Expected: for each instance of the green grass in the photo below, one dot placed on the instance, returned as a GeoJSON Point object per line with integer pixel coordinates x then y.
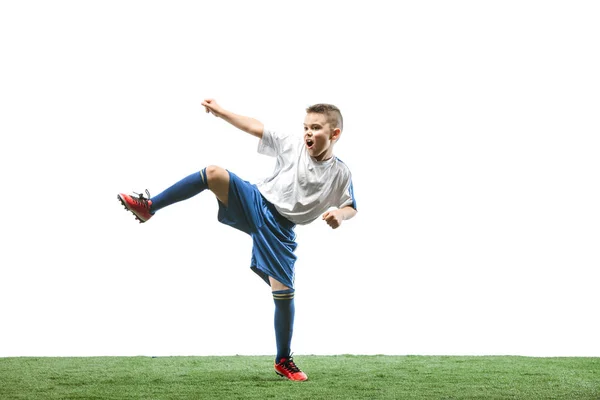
{"type": "Point", "coordinates": [330, 377]}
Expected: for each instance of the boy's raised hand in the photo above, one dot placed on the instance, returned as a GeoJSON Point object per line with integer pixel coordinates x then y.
{"type": "Point", "coordinates": [333, 218]}
{"type": "Point", "coordinates": [212, 107]}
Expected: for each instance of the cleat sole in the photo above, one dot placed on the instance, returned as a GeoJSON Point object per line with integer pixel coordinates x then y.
{"type": "Point", "coordinates": [285, 377]}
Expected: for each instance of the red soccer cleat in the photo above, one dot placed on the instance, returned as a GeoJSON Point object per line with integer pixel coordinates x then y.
{"type": "Point", "coordinates": [139, 206]}
{"type": "Point", "coordinates": [289, 370]}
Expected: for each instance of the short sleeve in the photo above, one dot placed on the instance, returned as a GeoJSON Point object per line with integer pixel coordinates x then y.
{"type": "Point", "coordinates": [267, 145]}
{"type": "Point", "coordinates": [348, 197]}
{"type": "Point", "coordinates": [271, 143]}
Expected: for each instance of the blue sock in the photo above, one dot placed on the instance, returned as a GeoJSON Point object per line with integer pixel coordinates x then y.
{"type": "Point", "coordinates": [284, 322]}
{"type": "Point", "coordinates": [182, 190]}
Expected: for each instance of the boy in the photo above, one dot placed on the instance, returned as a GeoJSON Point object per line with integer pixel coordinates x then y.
{"type": "Point", "coordinates": [307, 181]}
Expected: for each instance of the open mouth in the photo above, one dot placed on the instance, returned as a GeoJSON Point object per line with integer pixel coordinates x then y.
{"type": "Point", "coordinates": [309, 143]}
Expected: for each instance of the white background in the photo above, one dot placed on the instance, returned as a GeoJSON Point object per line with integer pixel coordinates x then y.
{"type": "Point", "coordinates": [471, 128]}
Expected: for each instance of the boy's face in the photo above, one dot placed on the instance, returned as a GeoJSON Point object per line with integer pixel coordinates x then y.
{"type": "Point", "coordinates": [319, 136]}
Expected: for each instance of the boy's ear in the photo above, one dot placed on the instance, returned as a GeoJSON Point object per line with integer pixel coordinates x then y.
{"type": "Point", "coordinates": [337, 132]}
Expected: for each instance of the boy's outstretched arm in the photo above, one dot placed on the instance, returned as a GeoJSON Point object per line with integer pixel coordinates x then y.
{"type": "Point", "coordinates": [334, 218]}
{"type": "Point", "coordinates": [247, 124]}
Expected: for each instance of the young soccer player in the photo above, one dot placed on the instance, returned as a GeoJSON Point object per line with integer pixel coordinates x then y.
{"type": "Point", "coordinates": [308, 182]}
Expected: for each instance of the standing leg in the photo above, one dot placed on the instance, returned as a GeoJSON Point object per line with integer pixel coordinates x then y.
{"type": "Point", "coordinates": [284, 317]}
{"type": "Point", "coordinates": [284, 328]}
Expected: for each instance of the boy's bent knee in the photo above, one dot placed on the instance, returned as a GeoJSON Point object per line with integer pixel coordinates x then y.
{"type": "Point", "coordinates": [216, 174]}
{"type": "Point", "coordinates": [218, 182]}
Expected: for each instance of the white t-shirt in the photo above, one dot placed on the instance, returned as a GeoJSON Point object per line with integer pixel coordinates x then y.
{"type": "Point", "coordinates": [301, 188]}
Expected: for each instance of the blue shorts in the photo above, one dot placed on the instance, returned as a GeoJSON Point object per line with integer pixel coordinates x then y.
{"type": "Point", "coordinates": [273, 236]}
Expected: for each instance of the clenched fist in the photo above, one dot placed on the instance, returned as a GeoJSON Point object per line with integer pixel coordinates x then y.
{"type": "Point", "coordinates": [333, 218]}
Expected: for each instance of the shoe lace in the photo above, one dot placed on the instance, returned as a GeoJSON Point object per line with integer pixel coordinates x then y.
{"type": "Point", "coordinates": [290, 365]}
{"type": "Point", "coordinates": [141, 199]}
